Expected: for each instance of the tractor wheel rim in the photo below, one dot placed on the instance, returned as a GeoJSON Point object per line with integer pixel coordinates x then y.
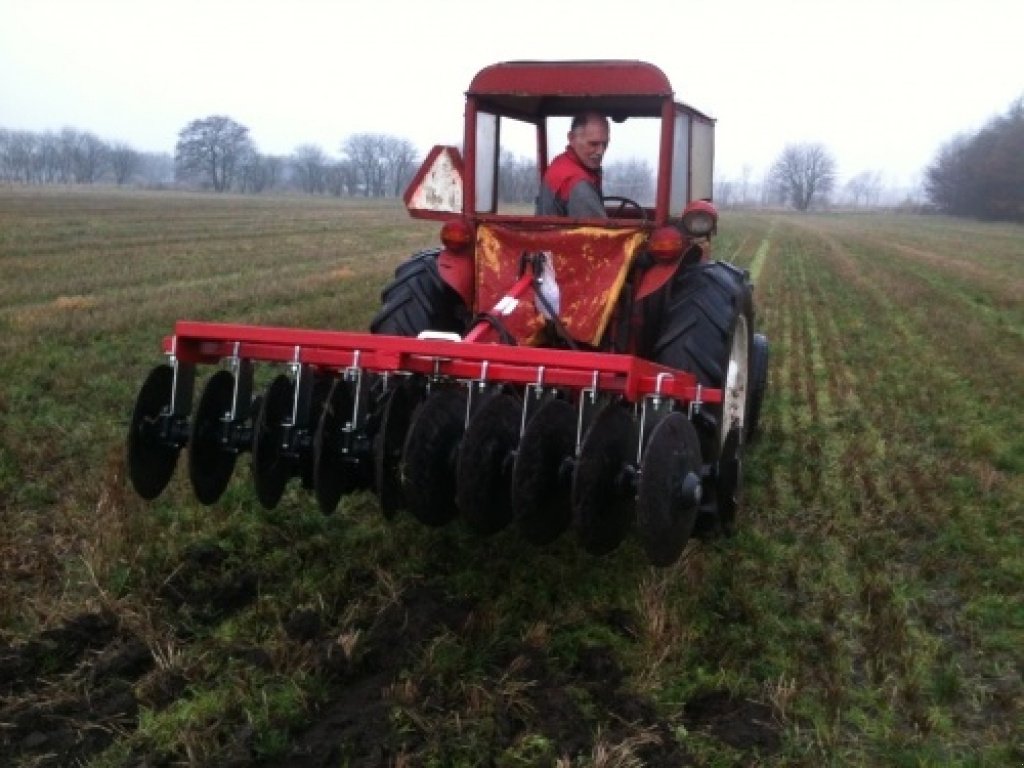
{"type": "Point", "coordinates": [734, 394]}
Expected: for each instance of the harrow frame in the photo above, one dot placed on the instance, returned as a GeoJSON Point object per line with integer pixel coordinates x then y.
{"type": "Point", "coordinates": [631, 377]}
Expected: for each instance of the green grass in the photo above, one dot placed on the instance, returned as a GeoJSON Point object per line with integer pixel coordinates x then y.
{"type": "Point", "coordinates": [867, 613]}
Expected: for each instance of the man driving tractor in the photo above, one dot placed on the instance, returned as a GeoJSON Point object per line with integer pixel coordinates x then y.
{"type": "Point", "coordinates": [572, 184]}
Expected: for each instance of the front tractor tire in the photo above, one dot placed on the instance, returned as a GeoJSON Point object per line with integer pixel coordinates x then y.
{"type": "Point", "coordinates": [708, 331]}
{"type": "Point", "coordinates": [417, 299]}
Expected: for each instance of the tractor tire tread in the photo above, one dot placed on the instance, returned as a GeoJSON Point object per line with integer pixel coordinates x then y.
{"type": "Point", "coordinates": [417, 299]}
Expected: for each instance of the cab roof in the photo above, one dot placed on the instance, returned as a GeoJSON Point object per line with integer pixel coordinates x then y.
{"type": "Point", "coordinates": [619, 88]}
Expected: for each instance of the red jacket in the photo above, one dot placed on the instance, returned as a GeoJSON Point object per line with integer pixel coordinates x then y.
{"type": "Point", "coordinates": [563, 174]}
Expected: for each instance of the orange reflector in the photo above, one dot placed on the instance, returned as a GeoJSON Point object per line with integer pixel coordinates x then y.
{"type": "Point", "coordinates": [456, 235]}
{"type": "Point", "coordinates": [665, 244]}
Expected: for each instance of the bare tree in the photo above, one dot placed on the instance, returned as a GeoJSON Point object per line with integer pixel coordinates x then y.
{"type": "Point", "coordinates": [309, 166]}
{"type": "Point", "coordinates": [399, 163]}
{"type": "Point", "coordinates": [88, 156]}
{"type": "Point", "coordinates": [156, 168]}
{"type": "Point", "coordinates": [6, 172]}
{"type": "Point", "coordinates": [804, 172]}
{"type": "Point", "coordinates": [124, 161]}
{"type": "Point", "coordinates": [52, 161]}
{"type": "Point", "coordinates": [256, 172]}
{"type": "Point", "coordinates": [212, 149]}
{"type": "Point", "coordinates": [745, 183]}
{"type": "Point", "coordinates": [341, 179]}
{"type": "Point", "coordinates": [273, 166]}
{"type": "Point", "coordinates": [518, 178]}
{"type": "Point", "coordinates": [366, 153]}
{"type": "Point", "coordinates": [723, 190]}
{"type": "Point", "coordinates": [630, 178]}
{"type": "Point", "coordinates": [865, 187]}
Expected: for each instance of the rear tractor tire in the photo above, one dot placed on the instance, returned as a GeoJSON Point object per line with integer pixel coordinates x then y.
{"type": "Point", "coordinates": [418, 300]}
{"type": "Point", "coordinates": [708, 331]}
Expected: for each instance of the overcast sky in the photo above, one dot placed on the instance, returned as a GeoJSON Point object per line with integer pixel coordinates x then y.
{"type": "Point", "coordinates": [881, 83]}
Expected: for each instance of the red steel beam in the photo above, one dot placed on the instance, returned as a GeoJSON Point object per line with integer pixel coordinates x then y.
{"type": "Point", "coordinates": [628, 375]}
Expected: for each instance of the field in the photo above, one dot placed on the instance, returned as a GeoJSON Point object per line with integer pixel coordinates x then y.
{"type": "Point", "coordinates": [868, 612]}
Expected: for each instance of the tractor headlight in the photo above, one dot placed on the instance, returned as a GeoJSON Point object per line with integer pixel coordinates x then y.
{"type": "Point", "coordinates": [700, 218]}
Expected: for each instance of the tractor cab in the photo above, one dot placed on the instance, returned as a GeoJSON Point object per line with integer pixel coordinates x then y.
{"type": "Point", "coordinates": [660, 159]}
{"type": "Point", "coordinates": [657, 185]}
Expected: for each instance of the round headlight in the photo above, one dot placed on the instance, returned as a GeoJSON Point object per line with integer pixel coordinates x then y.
{"type": "Point", "coordinates": [698, 223]}
{"type": "Point", "coordinates": [700, 218]}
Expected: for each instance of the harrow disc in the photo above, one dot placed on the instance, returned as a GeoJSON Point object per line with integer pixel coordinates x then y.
{"type": "Point", "coordinates": [669, 491]}
{"type": "Point", "coordinates": [396, 414]}
{"type": "Point", "coordinates": [210, 460]}
{"type": "Point", "coordinates": [603, 490]}
{"type": "Point", "coordinates": [151, 459]}
{"type": "Point", "coordinates": [485, 463]}
{"type": "Point", "coordinates": [542, 478]}
{"type": "Point", "coordinates": [318, 395]}
{"type": "Point", "coordinates": [429, 456]}
{"type": "Point", "coordinates": [332, 476]}
{"type": "Point", "coordinates": [272, 467]}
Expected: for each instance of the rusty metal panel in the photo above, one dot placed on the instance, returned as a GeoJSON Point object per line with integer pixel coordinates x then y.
{"type": "Point", "coordinates": [590, 264]}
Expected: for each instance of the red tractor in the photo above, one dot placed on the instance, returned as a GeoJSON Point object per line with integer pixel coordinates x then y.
{"type": "Point", "coordinates": [597, 374]}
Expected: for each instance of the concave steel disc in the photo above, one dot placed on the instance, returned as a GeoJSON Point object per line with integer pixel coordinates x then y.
{"type": "Point", "coordinates": [396, 414]}
{"type": "Point", "coordinates": [151, 461]}
{"type": "Point", "coordinates": [542, 479]}
{"type": "Point", "coordinates": [333, 477]}
{"type": "Point", "coordinates": [603, 493]}
{"type": "Point", "coordinates": [318, 395]}
{"type": "Point", "coordinates": [271, 466]}
{"type": "Point", "coordinates": [728, 479]}
{"type": "Point", "coordinates": [668, 495]}
{"type": "Point", "coordinates": [210, 461]}
{"type": "Point", "coordinates": [429, 456]}
{"type": "Point", "coordinates": [486, 459]}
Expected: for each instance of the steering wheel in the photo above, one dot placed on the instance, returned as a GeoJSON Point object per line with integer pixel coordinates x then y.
{"type": "Point", "coordinates": [624, 203]}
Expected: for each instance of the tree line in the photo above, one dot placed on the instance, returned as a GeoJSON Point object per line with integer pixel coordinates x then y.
{"type": "Point", "coordinates": [72, 156]}
{"type": "Point", "coordinates": [980, 174]}
{"type": "Point", "coordinates": [213, 153]}
{"type": "Point", "coordinates": [217, 152]}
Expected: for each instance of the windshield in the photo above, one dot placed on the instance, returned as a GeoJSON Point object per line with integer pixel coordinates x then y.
{"type": "Point", "coordinates": [508, 175]}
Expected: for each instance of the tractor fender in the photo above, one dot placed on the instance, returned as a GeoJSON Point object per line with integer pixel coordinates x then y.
{"type": "Point", "coordinates": [657, 274]}
{"type": "Point", "coordinates": [459, 273]}
{"type": "Point", "coordinates": [654, 277]}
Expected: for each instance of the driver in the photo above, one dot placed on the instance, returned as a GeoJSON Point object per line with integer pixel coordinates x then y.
{"type": "Point", "coordinates": [572, 182]}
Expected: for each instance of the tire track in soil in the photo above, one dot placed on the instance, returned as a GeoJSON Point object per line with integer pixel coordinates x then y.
{"type": "Point", "coordinates": [908, 488]}
{"type": "Point", "coordinates": [860, 451]}
{"type": "Point", "coordinates": [814, 500]}
{"type": "Point", "coordinates": [861, 627]}
{"type": "Point", "coordinates": [785, 484]}
{"type": "Point", "coordinates": [803, 406]}
{"type": "Point", "coordinates": [761, 254]}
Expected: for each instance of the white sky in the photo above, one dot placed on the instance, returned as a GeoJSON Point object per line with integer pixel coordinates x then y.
{"type": "Point", "coordinates": [881, 83]}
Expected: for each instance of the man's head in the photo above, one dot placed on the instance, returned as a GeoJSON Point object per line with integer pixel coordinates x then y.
{"type": "Point", "coordinates": [588, 138]}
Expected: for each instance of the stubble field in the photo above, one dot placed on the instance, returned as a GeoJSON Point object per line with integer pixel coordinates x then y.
{"type": "Point", "coordinates": [868, 612]}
